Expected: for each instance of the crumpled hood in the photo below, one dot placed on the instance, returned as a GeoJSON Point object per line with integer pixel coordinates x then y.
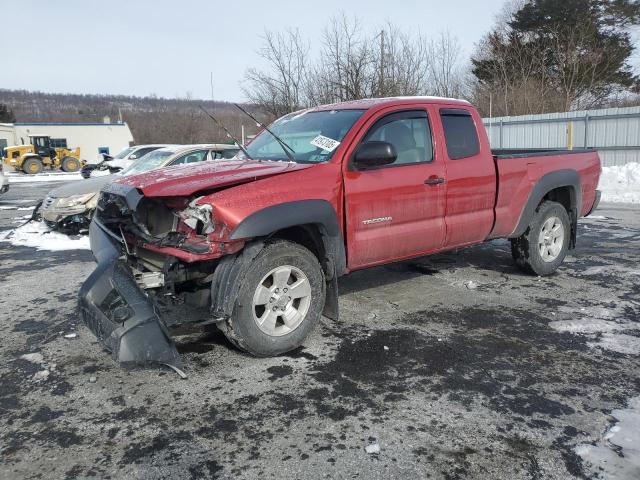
{"type": "Point", "coordinates": [184, 180]}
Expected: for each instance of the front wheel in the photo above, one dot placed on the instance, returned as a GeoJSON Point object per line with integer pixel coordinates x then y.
{"type": "Point", "coordinates": [543, 246]}
{"type": "Point", "coordinates": [32, 166]}
{"type": "Point", "coordinates": [70, 164]}
{"type": "Point", "coordinates": [280, 300]}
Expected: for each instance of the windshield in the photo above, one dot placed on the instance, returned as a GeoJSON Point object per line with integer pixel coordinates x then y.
{"type": "Point", "coordinates": [124, 153]}
{"type": "Point", "coordinates": [313, 136]}
{"type": "Point", "coordinates": [147, 162]}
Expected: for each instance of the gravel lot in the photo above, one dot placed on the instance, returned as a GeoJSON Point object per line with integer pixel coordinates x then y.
{"type": "Point", "coordinates": [455, 365]}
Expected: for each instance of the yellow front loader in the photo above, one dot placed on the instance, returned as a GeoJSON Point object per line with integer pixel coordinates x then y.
{"type": "Point", "coordinates": [33, 158]}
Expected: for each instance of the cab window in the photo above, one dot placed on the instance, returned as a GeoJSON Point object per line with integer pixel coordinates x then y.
{"type": "Point", "coordinates": [408, 132]}
{"type": "Point", "coordinates": [460, 133]}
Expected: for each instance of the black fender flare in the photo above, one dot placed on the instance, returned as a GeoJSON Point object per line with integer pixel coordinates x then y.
{"type": "Point", "coordinates": [321, 213]}
{"type": "Point", "coordinates": [551, 181]}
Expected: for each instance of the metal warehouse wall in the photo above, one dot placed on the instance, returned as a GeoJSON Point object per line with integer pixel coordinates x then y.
{"type": "Point", "coordinates": [615, 132]}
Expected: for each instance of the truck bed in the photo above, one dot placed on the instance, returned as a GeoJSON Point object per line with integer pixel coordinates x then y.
{"type": "Point", "coordinates": [534, 152]}
{"type": "Point", "coordinates": [519, 171]}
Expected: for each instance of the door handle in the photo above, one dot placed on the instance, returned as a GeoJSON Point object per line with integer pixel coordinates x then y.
{"type": "Point", "coordinates": [434, 181]}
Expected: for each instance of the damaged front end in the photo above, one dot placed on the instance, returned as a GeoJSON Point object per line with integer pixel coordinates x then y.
{"type": "Point", "coordinates": [155, 262]}
{"type": "Point", "coordinates": [70, 215]}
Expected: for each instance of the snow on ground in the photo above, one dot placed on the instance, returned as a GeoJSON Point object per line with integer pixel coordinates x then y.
{"type": "Point", "coordinates": [16, 177]}
{"type": "Point", "coordinates": [620, 184]}
{"type": "Point", "coordinates": [38, 235]}
{"type": "Point", "coordinates": [617, 453]}
{"type": "Point", "coordinates": [605, 328]}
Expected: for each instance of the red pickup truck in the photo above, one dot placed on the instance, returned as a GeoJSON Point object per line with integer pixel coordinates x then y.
{"type": "Point", "coordinates": [255, 244]}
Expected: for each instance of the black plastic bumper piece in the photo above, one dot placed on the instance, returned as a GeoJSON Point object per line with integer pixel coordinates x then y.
{"type": "Point", "coordinates": [119, 314]}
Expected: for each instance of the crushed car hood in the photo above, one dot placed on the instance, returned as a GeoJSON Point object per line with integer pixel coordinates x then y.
{"type": "Point", "coordinates": [184, 180]}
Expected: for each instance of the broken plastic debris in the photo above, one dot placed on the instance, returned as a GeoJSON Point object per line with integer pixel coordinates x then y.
{"type": "Point", "coordinates": [41, 375]}
{"type": "Point", "coordinates": [372, 449]}
{"type": "Point", "coordinates": [93, 379]}
{"type": "Point", "coordinates": [471, 285]}
{"type": "Point", "coordinates": [180, 373]}
{"type": "Point", "coordinates": [385, 347]}
{"type": "Point", "coordinates": [71, 335]}
{"type": "Point", "coordinates": [32, 357]}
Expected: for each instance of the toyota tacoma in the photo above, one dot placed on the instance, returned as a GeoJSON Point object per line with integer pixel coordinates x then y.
{"type": "Point", "coordinates": [255, 245]}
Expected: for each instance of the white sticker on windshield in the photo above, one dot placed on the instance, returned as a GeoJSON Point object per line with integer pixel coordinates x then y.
{"type": "Point", "coordinates": [325, 143]}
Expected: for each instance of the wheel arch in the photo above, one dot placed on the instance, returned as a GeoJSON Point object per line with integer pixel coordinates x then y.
{"type": "Point", "coordinates": [312, 223]}
{"type": "Point", "coordinates": [562, 186]}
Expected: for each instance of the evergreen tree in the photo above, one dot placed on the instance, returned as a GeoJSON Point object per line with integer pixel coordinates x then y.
{"type": "Point", "coordinates": [574, 53]}
{"type": "Point", "coordinates": [6, 115]}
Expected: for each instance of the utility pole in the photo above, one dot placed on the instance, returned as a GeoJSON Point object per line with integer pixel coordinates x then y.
{"type": "Point", "coordinates": [211, 82]}
{"type": "Point", "coordinates": [381, 86]}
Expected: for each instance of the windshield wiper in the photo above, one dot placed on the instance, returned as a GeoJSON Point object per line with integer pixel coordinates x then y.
{"type": "Point", "coordinates": [240, 145]}
{"type": "Point", "coordinates": [287, 149]}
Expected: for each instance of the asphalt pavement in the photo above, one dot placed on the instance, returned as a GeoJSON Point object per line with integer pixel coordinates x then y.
{"type": "Point", "coordinates": [451, 366]}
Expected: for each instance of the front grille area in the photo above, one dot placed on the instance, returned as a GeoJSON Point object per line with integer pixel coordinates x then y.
{"type": "Point", "coordinates": [112, 206]}
{"type": "Point", "coordinates": [112, 211]}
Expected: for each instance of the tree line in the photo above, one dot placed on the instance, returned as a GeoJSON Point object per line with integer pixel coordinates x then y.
{"type": "Point", "coordinates": [151, 119]}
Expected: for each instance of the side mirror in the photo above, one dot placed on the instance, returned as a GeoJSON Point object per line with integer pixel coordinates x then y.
{"type": "Point", "coordinates": [374, 154]}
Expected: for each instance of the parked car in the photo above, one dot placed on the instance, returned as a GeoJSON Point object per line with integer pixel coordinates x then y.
{"type": "Point", "coordinates": [4, 181]}
{"type": "Point", "coordinates": [70, 207]}
{"type": "Point", "coordinates": [255, 244]}
{"type": "Point", "coordinates": [120, 161]}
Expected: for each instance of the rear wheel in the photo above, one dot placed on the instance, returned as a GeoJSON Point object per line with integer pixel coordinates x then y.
{"type": "Point", "coordinates": [32, 165]}
{"type": "Point", "coordinates": [280, 300]}
{"type": "Point", "coordinates": [543, 246]}
{"type": "Point", "coordinates": [70, 164]}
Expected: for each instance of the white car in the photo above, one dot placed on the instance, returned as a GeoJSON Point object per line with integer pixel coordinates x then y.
{"type": "Point", "coordinates": [122, 160]}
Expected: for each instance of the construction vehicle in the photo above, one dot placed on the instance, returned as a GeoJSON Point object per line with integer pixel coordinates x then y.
{"type": "Point", "coordinates": [42, 152]}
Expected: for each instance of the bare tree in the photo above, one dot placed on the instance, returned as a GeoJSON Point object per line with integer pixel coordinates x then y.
{"type": "Point", "coordinates": [352, 64]}
{"type": "Point", "coordinates": [404, 63]}
{"type": "Point", "coordinates": [280, 89]}
{"type": "Point", "coordinates": [446, 76]}
{"type": "Point", "coordinates": [344, 69]}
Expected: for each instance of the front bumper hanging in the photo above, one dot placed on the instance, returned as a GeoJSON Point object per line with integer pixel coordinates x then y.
{"type": "Point", "coordinates": [119, 313]}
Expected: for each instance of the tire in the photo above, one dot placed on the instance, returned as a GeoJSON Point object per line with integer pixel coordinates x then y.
{"type": "Point", "coordinates": [70, 164]}
{"type": "Point", "coordinates": [542, 247]}
{"type": "Point", "coordinates": [281, 330]}
{"type": "Point", "coordinates": [32, 166]}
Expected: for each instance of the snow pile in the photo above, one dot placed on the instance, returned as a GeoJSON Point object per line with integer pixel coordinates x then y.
{"type": "Point", "coordinates": [620, 184]}
{"type": "Point", "coordinates": [617, 454]}
{"type": "Point", "coordinates": [603, 328]}
{"type": "Point", "coordinates": [38, 235]}
{"type": "Point", "coordinates": [43, 177]}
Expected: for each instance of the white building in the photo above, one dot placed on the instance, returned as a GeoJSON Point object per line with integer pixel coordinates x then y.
{"type": "Point", "coordinates": [92, 138]}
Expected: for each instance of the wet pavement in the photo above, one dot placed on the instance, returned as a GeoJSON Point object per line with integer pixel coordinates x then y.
{"type": "Point", "coordinates": [455, 366]}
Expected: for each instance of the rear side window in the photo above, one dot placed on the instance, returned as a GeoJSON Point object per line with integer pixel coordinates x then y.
{"type": "Point", "coordinates": [460, 133]}
{"type": "Point", "coordinates": [143, 151]}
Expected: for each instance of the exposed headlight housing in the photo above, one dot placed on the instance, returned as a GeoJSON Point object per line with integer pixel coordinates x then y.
{"type": "Point", "coordinates": [198, 217]}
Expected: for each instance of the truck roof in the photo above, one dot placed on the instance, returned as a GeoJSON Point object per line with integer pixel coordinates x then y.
{"type": "Point", "coordinates": [367, 103]}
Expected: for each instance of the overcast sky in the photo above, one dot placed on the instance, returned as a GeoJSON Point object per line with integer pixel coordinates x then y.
{"type": "Point", "coordinates": [168, 47]}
